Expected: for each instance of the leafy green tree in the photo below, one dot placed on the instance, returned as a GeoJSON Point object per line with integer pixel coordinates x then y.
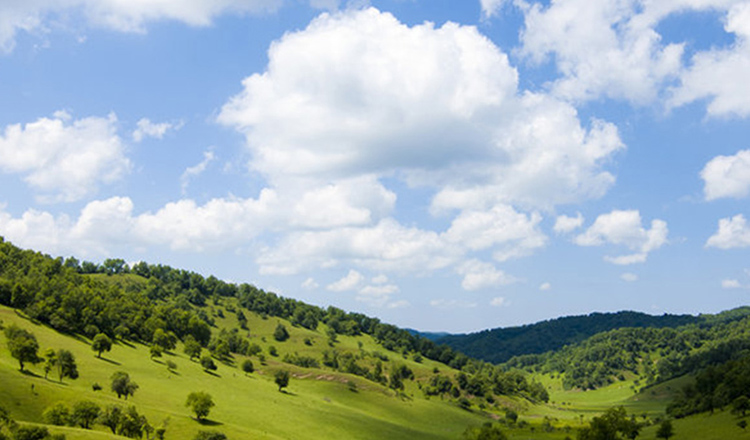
{"type": "Point", "coordinates": [111, 417]}
{"type": "Point", "coordinates": [23, 345]}
{"type": "Point", "coordinates": [200, 403]}
{"type": "Point", "coordinates": [57, 414]}
{"type": "Point", "coordinates": [84, 413]}
{"type": "Point", "coordinates": [210, 435]}
{"type": "Point", "coordinates": [207, 362]}
{"type": "Point", "coordinates": [155, 351]}
{"type": "Point", "coordinates": [740, 405]}
{"type": "Point", "coordinates": [488, 431]}
{"type": "Point", "coordinates": [66, 365]}
{"type": "Point", "coordinates": [665, 430]}
{"type": "Point", "coordinates": [281, 334]}
{"type": "Point", "coordinates": [247, 366]}
{"type": "Point", "coordinates": [742, 424]}
{"type": "Point", "coordinates": [192, 348]}
{"type": "Point", "coordinates": [164, 340]}
{"type": "Point", "coordinates": [122, 385]}
{"type": "Point", "coordinates": [610, 425]}
{"type": "Point", "coordinates": [132, 424]}
{"type": "Point", "coordinates": [100, 344]}
{"type": "Point", "coordinates": [171, 365]}
{"type": "Point", "coordinates": [282, 379]}
{"type": "Point", "coordinates": [50, 360]}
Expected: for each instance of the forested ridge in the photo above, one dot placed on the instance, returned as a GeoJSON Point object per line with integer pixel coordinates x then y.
{"type": "Point", "coordinates": [654, 354]}
{"type": "Point", "coordinates": [158, 305]}
{"type": "Point", "coordinates": [501, 344]}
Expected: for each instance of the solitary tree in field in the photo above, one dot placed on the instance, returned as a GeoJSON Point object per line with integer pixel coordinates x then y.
{"type": "Point", "coordinates": [741, 405]}
{"type": "Point", "coordinates": [281, 334]}
{"type": "Point", "coordinates": [101, 343]}
{"type": "Point", "coordinates": [247, 366]}
{"type": "Point", "coordinates": [207, 363]}
{"type": "Point", "coordinates": [22, 345]}
{"type": "Point", "coordinates": [665, 430]}
{"type": "Point", "coordinates": [201, 403]}
{"type": "Point", "coordinates": [282, 379]}
{"type": "Point", "coordinates": [122, 385]}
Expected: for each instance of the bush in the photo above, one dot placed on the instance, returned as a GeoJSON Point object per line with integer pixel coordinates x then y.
{"type": "Point", "coordinates": [210, 435]}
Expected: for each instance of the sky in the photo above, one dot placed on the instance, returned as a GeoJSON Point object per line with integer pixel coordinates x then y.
{"type": "Point", "coordinates": [444, 165]}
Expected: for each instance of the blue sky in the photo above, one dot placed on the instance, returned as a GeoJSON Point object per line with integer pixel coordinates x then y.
{"type": "Point", "coordinates": [443, 165]}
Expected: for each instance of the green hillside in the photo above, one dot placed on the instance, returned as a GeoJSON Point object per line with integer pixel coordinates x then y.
{"type": "Point", "coordinates": [175, 333]}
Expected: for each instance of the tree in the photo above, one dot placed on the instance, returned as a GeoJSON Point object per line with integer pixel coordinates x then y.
{"type": "Point", "coordinates": [282, 379]}
{"type": "Point", "coordinates": [132, 424]}
{"type": "Point", "coordinates": [22, 345]}
{"type": "Point", "coordinates": [111, 417]}
{"type": "Point", "coordinates": [200, 403]}
{"type": "Point", "coordinates": [58, 414]}
{"type": "Point", "coordinates": [207, 362]}
{"type": "Point", "coordinates": [122, 385]}
{"type": "Point", "coordinates": [281, 334]}
{"type": "Point", "coordinates": [100, 344]}
{"type": "Point", "coordinates": [66, 365]}
{"type": "Point", "coordinates": [166, 341]}
{"type": "Point", "coordinates": [192, 347]}
{"type": "Point", "coordinates": [84, 413]}
{"type": "Point", "coordinates": [247, 366]}
{"type": "Point", "coordinates": [488, 431]}
{"type": "Point", "coordinates": [740, 405]}
{"type": "Point", "coordinates": [50, 360]}
{"type": "Point", "coordinates": [665, 430]}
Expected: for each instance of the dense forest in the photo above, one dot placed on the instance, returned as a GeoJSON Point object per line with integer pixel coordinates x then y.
{"type": "Point", "coordinates": [501, 344]}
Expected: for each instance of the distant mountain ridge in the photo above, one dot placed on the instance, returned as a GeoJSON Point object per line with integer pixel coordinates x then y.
{"type": "Point", "coordinates": [501, 344]}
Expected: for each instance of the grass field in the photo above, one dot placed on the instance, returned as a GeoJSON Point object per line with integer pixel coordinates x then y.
{"type": "Point", "coordinates": [319, 403]}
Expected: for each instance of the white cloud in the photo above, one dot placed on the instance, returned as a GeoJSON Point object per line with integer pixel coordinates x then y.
{"type": "Point", "coordinates": [733, 233]}
{"type": "Point", "coordinates": [731, 284]}
{"type": "Point", "coordinates": [607, 48]}
{"type": "Point", "coordinates": [196, 170]}
{"type": "Point", "coordinates": [310, 284]}
{"type": "Point", "coordinates": [480, 275]}
{"type": "Point", "coordinates": [146, 128]}
{"type": "Point", "coordinates": [624, 228]}
{"type": "Point", "coordinates": [510, 233]}
{"type": "Point", "coordinates": [126, 16]}
{"type": "Point", "coordinates": [360, 93]}
{"type": "Point", "coordinates": [378, 296]}
{"type": "Point", "coordinates": [64, 159]}
{"type": "Point", "coordinates": [727, 176]}
{"type": "Point", "coordinates": [351, 281]}
{"type": "Point", "coordinates": [498, 302]}
{"type": "Point", "coordinates": [545, 286]}
{"type": "Point", "coordinates": [629, 277]}
{"type": "Point", "coordinates": [491, 7]}
{"type": "Point", "coordinates": [720, 74]}
{"type": "Point", "coordinates": [565, 224]}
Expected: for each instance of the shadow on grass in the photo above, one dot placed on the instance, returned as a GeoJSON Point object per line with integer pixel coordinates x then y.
{"type": "Point", "coordinates": [29, 373]}
{"type": "Point", "coordinates": [288, 393]}
{"type": "Point", "coordinates": [125, 343]}
{"type": "Point", "coordinates": [207, 422]}
{"type": "Point", "coordinates": [212, 373]}
{"type": "Point", "coordinates": [176, 373]}
{"type": "Point", "coordinates": [109, 361]}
